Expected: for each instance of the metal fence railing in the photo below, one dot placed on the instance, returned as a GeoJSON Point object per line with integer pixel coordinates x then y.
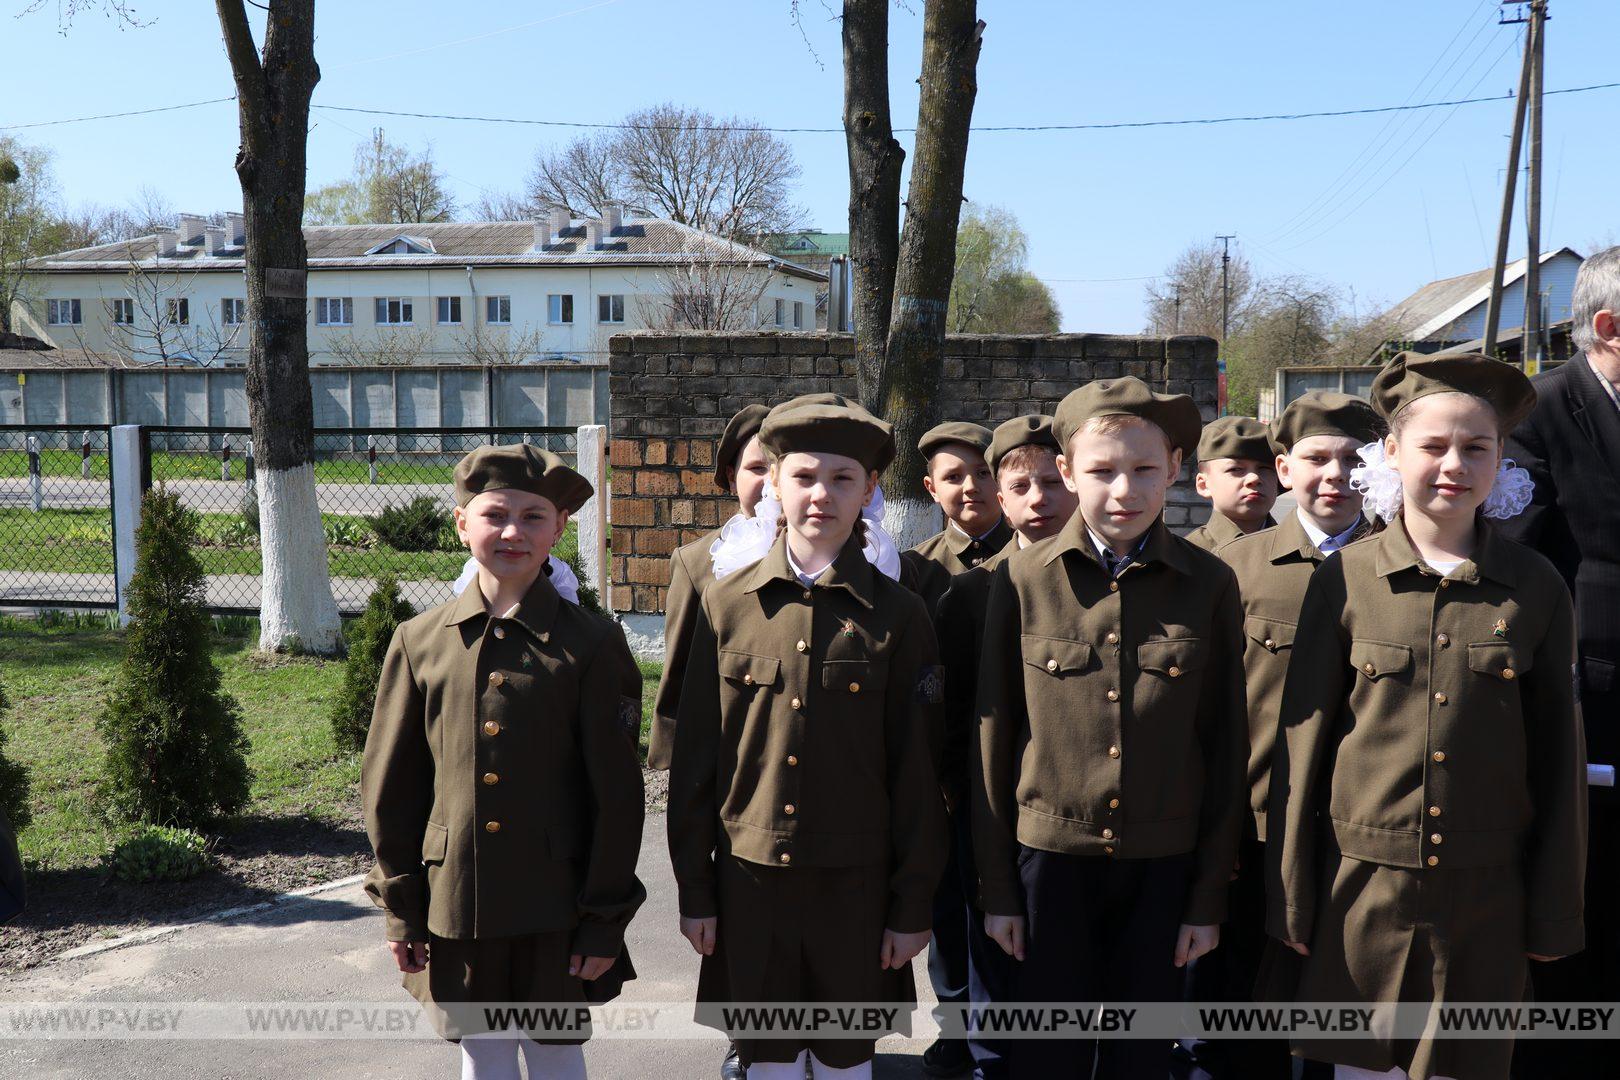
{"type": "Point", "coordinates": [384, 495]}
{"type": "Point", "coordinates": [56, 517]}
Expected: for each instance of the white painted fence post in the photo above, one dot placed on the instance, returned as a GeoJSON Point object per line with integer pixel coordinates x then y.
{"type": "Point", "coordinates": [125, 453]}
{"type": "Point", "coordinates": [591, 462]}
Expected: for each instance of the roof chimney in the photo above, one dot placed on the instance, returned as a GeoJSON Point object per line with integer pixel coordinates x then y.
{"type": "Point", "coordinates": [593, 235]}
{"type": "Point", "coordinates": [559, 221]}
{"type": "Point", "coordinates": [191, 228]}
{"type": "Point", "coordinates": [215, 235]}
{"type": "Point", "coordinates": [612, 218]}
{"type": "Point", "coordinates": [165, 243]}
{"type": "Point", "coordinates": [542, 234]}
{"type": "Point", "coordinates": [235, 231]}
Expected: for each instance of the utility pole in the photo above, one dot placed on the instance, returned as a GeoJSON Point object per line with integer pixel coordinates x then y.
{"type": "Point", "coordinates": [1226, 292]}
{"type": "Point", "coordinates": [1532, 350]}
{"type": "Point", "coordinates": [1527, 91]}
{"type": "Point", "coordinates": [1178, 310]}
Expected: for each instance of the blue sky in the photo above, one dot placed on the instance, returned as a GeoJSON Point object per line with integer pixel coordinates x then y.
{"type": "Point", "coordinates": [1373, 204]}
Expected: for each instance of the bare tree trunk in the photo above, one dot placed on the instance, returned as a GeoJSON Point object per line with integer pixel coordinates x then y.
{"type": "Point", "coordinates": [297, 609]}
{"type": "Point", "coordinates": [914, 361]}
{"type": "Point", "coordinates": [875, 160]}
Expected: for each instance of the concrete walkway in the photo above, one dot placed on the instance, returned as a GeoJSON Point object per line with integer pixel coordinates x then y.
{"type": "Point", "coordinates": [329, 947]}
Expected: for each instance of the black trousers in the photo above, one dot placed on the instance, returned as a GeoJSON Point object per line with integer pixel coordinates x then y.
{"type": "Point", "coordinates": [1099, 929]}
{"type": "Point", "coordinates": [1592, 975]}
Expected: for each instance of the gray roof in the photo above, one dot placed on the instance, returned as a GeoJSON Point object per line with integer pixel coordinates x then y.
{"type": "Point", "coordinates": [637, 242]}
{"type": "Point", "coordinates": [1434, 307]}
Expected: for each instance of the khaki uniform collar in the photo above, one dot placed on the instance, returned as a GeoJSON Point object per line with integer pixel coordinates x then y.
{"type": "Point", "coordinates": [957, 541]}
{"type": "Point", "coordinates": [1493, 557]}
{"type": "Point", "coordinates": [850, 571]}
{"type": "Point", "coordinates": [1290, 538]}
{"type": "Point", "coordinates": [1159, 546]}
{"type": "Point", "coordinates": [535, 613]}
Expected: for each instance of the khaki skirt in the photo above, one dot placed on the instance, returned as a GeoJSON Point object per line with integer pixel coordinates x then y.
{"type": "Point", "coordinates": [1385, 934]}
{"type": "Point", "coordinates": [512, 971]}
{"type": "Point", "coordinates": [805, 934]}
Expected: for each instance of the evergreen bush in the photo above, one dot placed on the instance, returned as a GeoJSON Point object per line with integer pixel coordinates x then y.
{"type": "Point", "coordinates": [412, 526]}
{"type": "Point", "coordinates": [368, 638]}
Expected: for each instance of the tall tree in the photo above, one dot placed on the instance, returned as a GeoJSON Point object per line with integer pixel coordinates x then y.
{"type": "Point", "coordinates": [26, 191]}
{"type": "Point", "coordinates": [1188, 298]}
{"type": "Point", "coordinates": [993, 291]}
{"type": "Point", "coordinates": [273, 88]}
{"type": "Point", "coordinates": [388, 184]}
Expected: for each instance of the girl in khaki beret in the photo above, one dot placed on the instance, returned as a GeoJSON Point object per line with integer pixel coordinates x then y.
{"type": "Point", "coordinates": [806, 826]}
{"type": "Point", "coordinates": [1426, 833]}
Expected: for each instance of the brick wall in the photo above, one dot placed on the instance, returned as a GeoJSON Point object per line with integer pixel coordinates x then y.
{"type": "Point", "coordinates": [672, 395]}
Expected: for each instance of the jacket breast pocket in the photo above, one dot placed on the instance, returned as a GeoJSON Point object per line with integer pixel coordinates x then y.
{"type": "Point", "coordinates": [747, 669]}
{"type": "Point", "coordinates": [1499, 659]}
{"type": "Point", "coordinates": [1056, 656]}
{"type": "Point", "coordinates": [435, 842]}
{"type": "Point", "coordinates": [1172, 657]}
{"type": "Point", "coordinates": [855, 676]}
{"type": "Point", "coordinates": [1376, 659]}
{"type": "Point", "coordinates": [1272, 635]}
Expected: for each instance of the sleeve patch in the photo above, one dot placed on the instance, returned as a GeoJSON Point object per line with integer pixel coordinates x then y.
{"type": "Point", "coordinates": [630, 715]}
{"type": "Point", "coordinates": [931, 685]}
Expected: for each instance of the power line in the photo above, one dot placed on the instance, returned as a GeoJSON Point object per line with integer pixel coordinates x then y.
{"type": "Point", "coordinates": [116, 115]}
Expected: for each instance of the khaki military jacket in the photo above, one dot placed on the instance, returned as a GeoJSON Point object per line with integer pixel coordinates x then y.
{"type": "Point", "coordinates": [1428, 724]}
{"type": "Point", "coordinates": [1217, 531]}
{"type": "Point", "coordinates": [500, 781]}
{"type": "Point", "coordinates": [802, 737]}
{"type": "Point", "coordinates": [1110, 713]}
{"type": "Point", "coordinates": [1272, 567]}
{"type": "Point", "coordinates": [927, 569]}
{"type": "Point", "coordinates": [691, 569]}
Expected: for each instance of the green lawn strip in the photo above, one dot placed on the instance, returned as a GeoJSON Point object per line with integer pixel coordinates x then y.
{"type": "Point", "coordinates": [428, 468]}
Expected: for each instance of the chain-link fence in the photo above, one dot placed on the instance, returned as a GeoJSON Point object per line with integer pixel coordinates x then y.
{"type": "Point", "coordinates": [56, 517]}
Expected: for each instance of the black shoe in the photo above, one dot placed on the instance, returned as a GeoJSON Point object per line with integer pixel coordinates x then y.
{"type": "Point", "coordinates": [947, 1057]}
{"type": "Point", "coordinates": [732, 1068]}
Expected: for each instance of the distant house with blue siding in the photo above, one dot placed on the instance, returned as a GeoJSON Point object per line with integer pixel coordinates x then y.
{"type": "Point", "coordinates": [1451, 313]}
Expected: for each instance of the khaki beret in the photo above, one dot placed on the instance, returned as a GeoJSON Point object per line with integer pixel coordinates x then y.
{"type": "Point", "coordinates": [1032, 430]}
{"type": "Point", "coordinates": [1414, 375]}
{"type": "Point", "coordinates": [741, 428]}
{"type": "Point", "coordinates": [1174, 413]}
{"type": "Point", "coordinates": [1325, 412]}
{"type": "Point", "coordinates": [1236, 437]}
{"type": "Point", "coordinates": [828, 429]}
{"type": "Point", "coordinates": [821, 399]}
{"type": "Point", "coordinates": [520, 467]}
{"type": "Point", "coordinates": [940, 436]}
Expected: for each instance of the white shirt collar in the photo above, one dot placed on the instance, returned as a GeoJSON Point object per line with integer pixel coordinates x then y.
{"type": "Point", "coordinates": [949, 524]}
{"type": "Point", "coordinates": [793, 564]}
{"type": "Point", "coordinates": [1603, 381]}
{"type": "Point", "coordinates": [1324, 543]}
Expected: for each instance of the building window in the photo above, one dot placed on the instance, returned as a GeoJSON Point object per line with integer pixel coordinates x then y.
{"type": "Point", "coordinates": [179, 312]}
{"type": "Point", "coordinates": [394, 311]}
{"type": "Point", "coordinates": [610, 309]}
{"type": "Point", "coordinates": [498, 310]}
{"type": "Point", "coordinates": [449, 311]}
{"type": "Point", "coordinates": [121, 311]}
{"type": "Point", "coordinates": [560, 308]}
{"type": "Point", "coordinates": [63, 313]}
{"type": "Point", "coordinates": [334, 311]}
{"type": "Point", "coordinates": [781, 312]}
{"type": "Point", "coordinates": [233, 311]}
{"type": "Point", "coordinates": [798, 314]}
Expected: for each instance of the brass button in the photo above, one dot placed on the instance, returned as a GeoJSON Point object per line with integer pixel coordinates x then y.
{"type": "Point", "coordinates": [496, 678]}
{"type": "Point", "coordinates": [1434, 811]}
{"type": "Point", "coordinates": [1108, 849]}
{"type": "Point", "coordinates": [1440, 696]}
{"type": "Point", "coordinates": [796, 703]}
{"type": "Point", "coordinates": [1108, 834]}
{"type": "Point", "coordinates": [1113, 695]}
{"type": "Point", "coordinates": [1507, 673]}
{"type": "Point", "coordinates": [499, 631]}
{"type": "Point", "coordinates": [802, 646]}
{"type": "Point", "coordinates": [1113, 586]}
{"type": "Point", "coordinates": [1434, 860]}
{"type": "Point", "coordinates": [492, 778]}
{"type": "Point", "coordinates": [492, 826]}
{"type": "Point", "coordinates": [1366, 669]}
{"type": "Point", "coordinates": [1175, 672]}
{"type": "Point", "coordinates": [1113, 751]}
{"type": "Point", "coordinates": [1439, 755]}
{"type": "Point", "coordinates": [1051, 665]}
{"type": "Point", "coordinates": [793, 759]}
{"type": "Point", "coordinates": [788, 809]}
{"type": "Point", "coordinates": [545, 637]}
{"type": "Point", "coordinates": [1269, 643]}
{"type": "Point", "coordinates": [1442, 640]}
{"type": "Point", "coordinates": [1434, 838]}
{"type": "Point", "coordinates": [854, 687]}
{"type": "Point", "coordinates": [784, 858]}
{"type": "Point", "coordinates": [748, 680]}
{"type": "Point", "coordinates": [1113, 804]}
{"type": "Point", "coordinates": [491, 728]}
{"type": "Point", "coordinates": [1444, 582]}
{"type": "Point", "coordinates": [1112, 638]}
{"type": "Point", "coordinates": [808, 595]}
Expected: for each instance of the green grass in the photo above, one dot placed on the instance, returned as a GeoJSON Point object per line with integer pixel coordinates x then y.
{"type": "Point", "coordinates": [428, 468]}
{"type": "Point", "coordinates": [58, 670]}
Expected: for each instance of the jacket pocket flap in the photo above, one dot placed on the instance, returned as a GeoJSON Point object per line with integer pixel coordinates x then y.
{"type": "Point", "coordinates": [435, 842]}
{"type": "Point", "coordinates": [563, 841]}
{"type": "Point", "coordinates": [1499, 658]}
{"type": "Point", "coordinates": [1269, 634]}
{"type": "Point", "coordinates": [1056, 655]}
{"type": "Point", "coordinates": [1170, 657]}
{"type": "Point", "coordinates": [854, 676]}
{"type": "Point", "coordinates": [1376, 659]}
{"type": "Point", "coordinates": [748, 669]}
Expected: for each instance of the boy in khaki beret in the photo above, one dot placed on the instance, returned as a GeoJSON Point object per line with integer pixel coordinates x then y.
{"type": "Point", "coordinates": [1107, 792]}
{"type": "Point", "coordinates": [961, 482]}
{"type": "Point", "coordinates": [500, 781]}
{"type": "Point", "coordinates": [1237, 473]}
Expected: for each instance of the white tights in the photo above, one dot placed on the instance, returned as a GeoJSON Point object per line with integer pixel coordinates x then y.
{"type": "Point", "coordinates": [794, 1070]}
{"type": "Point", "coordinates": [494, 1056]}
